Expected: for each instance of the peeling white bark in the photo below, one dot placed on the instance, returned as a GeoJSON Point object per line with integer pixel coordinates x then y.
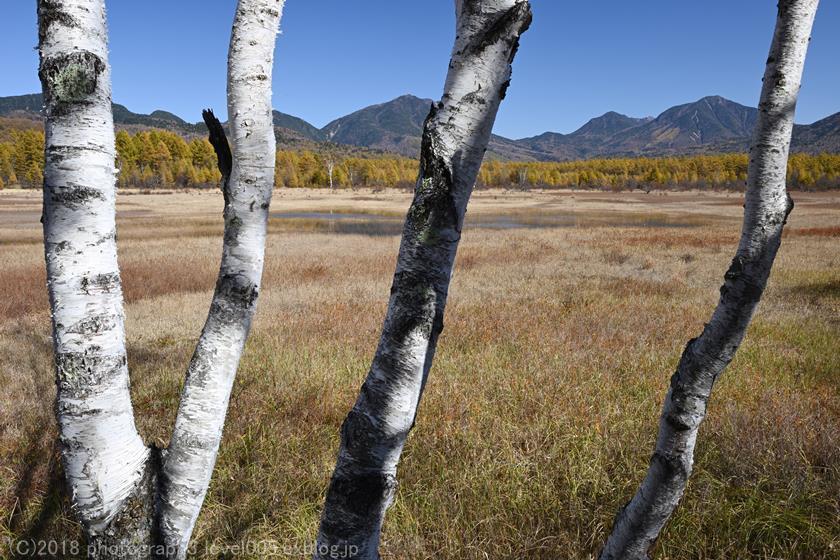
{"type": "Point", "coordinates": [104, 458]}
{"type": "Point", "coordinates": [767, 206]}
{"type": "Point", "coordinates": [455, 138]}
{"type": "Point", "coordinates": [120, 490]}
{"type": "Point", "coordinates": [188, 464]}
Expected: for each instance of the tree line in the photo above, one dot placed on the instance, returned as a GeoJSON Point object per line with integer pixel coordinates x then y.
{"type": "Point", "coordinates": [721, 171]}
{"type": "Point", "coordinates": [162, 159]}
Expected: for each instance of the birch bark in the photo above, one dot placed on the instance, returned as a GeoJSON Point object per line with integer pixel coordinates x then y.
{"type": "Point", "coordinates": [455, 137]}
{"type": "Point", "coordinates": [137, 502]}
{"type": "Point", "coordinates": [766, 209]}
{"type": "Point", "coordinates": [103, 456]}
{"type": "Point", "coordinates": [189, 461]}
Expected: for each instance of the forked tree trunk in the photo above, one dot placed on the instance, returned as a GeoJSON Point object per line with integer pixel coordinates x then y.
{"type": "Point", "coordinates": [136, 502]}
{"type": "Point", "coordinates": [766, 209]}
{"type": "Point", "coordinates": [455, 137]}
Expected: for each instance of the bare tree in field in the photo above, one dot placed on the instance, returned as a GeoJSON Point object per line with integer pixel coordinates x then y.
{"type": "Point", "coordinates": [135, 501]}
{"type": "Point", "coordinates": [455, 138]}
{"type": "Point", "coordinates": [766, 209]}
{"type": "Point", "coordinates": [330, 165]}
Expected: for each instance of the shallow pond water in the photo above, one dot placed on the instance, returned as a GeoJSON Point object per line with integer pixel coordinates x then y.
{"type": "Point", "coordinates": [359, 223]}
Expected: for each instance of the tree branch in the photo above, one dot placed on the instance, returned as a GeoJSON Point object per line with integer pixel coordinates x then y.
{"type": "Point", "coordinates": [220, 144]}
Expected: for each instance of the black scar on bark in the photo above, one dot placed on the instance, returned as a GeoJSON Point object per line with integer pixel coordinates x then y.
{"type": "Point", "coordinates": [80, 372]}
{"type": "Point", "coordinates": [736, 268]}
{"type": "Point", "coordinates": [50, 12]}
{"type": "Point", "coordinates": [270, 12]}
{"type": "Point", "coordinates": [474, 97]}
{"type": "Point", "coordinates": [201, 364]}
{"type": "Point", "coordinates": [220, 144]}
{"type": "Point", "coordinates": [789, 208]}
{"type": "Point", "coordinates": [354, 496]}
{"type": "Point", "coordinates": [233, 226]}
{"type": "Point", "coordinates": [74, 197]}
{"type": "Point", "coordinates": [360, 435]}
{"type": "Point", "coordinates": [357, 430]}
{"type": "Point", "coordinates": [671, 467]}
{"type": "Point", "coordinates": [514, 49]}
{"type": "Point", "coordinates": [433, 207]}
{"type": "Point", "coordinates": [504, 24]}
{"type": "Point", "coordinates": [69, 79]}
{"type": "Point", "coordinates": [58, 248]}
{"type": "Point", "coordinates": [741, 274]}
{"type": "Point", "coordinates": [93, 324]}
{"type": "Point", "coordinates": [103, 283]}
{"type": "Point", "coordinates": [237, 290]}
{"type": "Point", "coordinates": [432, 211]}
{"type": "Point", "coordinates": [503, 90]}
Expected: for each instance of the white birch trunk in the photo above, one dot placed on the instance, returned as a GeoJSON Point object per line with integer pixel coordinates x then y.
{"type": "Point", "coordinates": [330, 168]}
{"type": "Point", "coordinates": [104, 458]}
{"type": "Point", "coordinates": [189, 461]}
{"type": "Point", "coordinates": [131, 504]}
{"type": "Point", "coordinates": [767, 206]}
{"type": "Point", "coordinates": [455, 138]}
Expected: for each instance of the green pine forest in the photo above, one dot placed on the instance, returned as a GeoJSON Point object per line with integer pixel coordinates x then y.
{"type": "Point", "coordinates": [152, 159]}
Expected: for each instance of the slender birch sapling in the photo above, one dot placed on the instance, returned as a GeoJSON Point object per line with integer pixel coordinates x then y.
{"type": "Point", "coordinates": [247, 192]}
{"type": "Point", "coordinates": [767, 206]}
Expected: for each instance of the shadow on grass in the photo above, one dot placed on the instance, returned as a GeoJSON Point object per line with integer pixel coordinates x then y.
{"type": "Point", "coordinates": [830, 289]}
{"type": "Point", "coordinates": [52, 511]}
{"type": "Point", "coordinates": [41, 510]}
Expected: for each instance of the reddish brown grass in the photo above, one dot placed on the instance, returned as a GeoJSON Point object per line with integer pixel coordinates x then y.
{"type": "Point", "coordinates": [813, 232]}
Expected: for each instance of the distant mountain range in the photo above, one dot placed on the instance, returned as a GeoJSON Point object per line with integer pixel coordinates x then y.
{"type": "Point", "coordinates": [709, 125]}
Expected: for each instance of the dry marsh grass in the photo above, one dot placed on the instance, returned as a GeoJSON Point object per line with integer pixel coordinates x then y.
{"type": "Point", "coordinates": [541, 410]}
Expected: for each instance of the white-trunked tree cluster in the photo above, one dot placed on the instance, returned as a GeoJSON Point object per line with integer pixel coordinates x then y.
{"type": "Point", "coordinates": [136, 501]}
{"type": "Point", "coordinates": [133, 500]}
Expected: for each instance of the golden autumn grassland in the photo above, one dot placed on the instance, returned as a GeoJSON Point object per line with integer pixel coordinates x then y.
{"type": "Point", "coordinates": [568, 312]}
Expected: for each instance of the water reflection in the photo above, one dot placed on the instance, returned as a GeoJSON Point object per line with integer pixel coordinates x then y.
{"type": "Point", "coordinates": [360, 223]}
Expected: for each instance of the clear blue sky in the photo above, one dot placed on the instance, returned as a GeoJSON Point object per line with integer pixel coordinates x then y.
{"type": "Point", "coordinates": [579, 60]}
